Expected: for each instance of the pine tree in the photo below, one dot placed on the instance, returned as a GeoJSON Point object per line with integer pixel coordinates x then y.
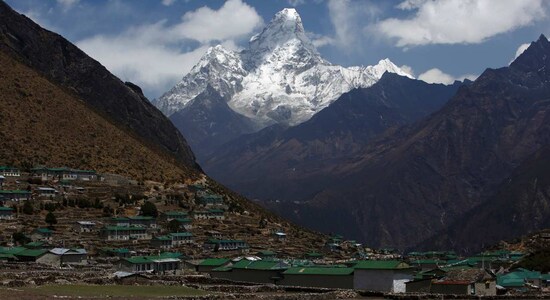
{"type": "Point", "coordinates": [149, 209]}
{"type": "Point", "coordinates": [51, 219]}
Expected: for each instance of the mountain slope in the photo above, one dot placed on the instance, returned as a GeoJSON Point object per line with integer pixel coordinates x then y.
{"type": "Point", "coordinates": [208, 122]}
{"type": "Point", "coordinates": [418, 181]}
{"type": "Point", "coordinates": [294, 164]}
{"type": "Point", "coordinates": [521, 205]}
{"type": "Point", "coordinates": [41, 123]}
{"type": "Point", "coordinates": [66, 65]}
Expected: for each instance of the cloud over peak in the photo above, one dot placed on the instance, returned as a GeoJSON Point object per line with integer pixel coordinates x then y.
{"type": "Point", "coordinates": [435, 75]}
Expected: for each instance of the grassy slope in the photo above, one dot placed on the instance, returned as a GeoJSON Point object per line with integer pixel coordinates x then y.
{"type": "Point", "coordinates": [43, 124]}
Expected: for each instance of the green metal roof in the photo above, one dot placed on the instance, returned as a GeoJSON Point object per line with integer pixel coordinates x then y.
{"type": "Point", "coordinates": [3, 208]}
{"type": "Point", "coordinates": [116, 250]}
{"type": "Point", "coordinates": [163, 238]}
{"type": "Point", "coordinates": [12, 250]}
{"type": "Point", "coordinates": [222, 269]}
{"type": "Point", "coordinates": [266, 252]}
{"type": "Point", "coordinates": [34, 244]}
{"type": "Point", "coordinates": [427, 261]}
{"type": "Point", "coordinates": [148, 259]}
{"type": "Point", "coordinates": [175, 213]}
{"type": "Point", "coordinates": [138, 259]}
{"type": "Point", "coordinates": [260, 265]}
{"type": "Point", "coordinates": [319, 271]}
{"type": "Point", "coordinates": [7, 256]}
{"type": "Point", "coordinates": [381, 265]}
{"type": "Point", "coordinates": [11, 192]}
{"type": "Point", "coordinates": [141, 218]}
{"type": "Point", "coordinates": [171, 254]}
{"type": "Point", "coordinates": [183, 220]}
{"type": "Point", "coordinates": [517, 278]}
{"type": "Point", "coordinates": [31, 252]}
{"type": "Point", "coordinates": [314, 254]}
{"type": "Point", "coordinates": [216, 241]}
{"type": "Point", "coordinates": [211, 262]}
{"type": "Point", "coordinates": [44, 230]}
{"type": "Point", "coordinates": [62, 169]}
{"type": "Point", "coordinates": [184, 234]}
{"type": "Point", "coordinates": [122, 228]}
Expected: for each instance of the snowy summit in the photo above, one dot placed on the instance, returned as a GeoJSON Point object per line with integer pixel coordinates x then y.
{"type": "Point", "coordinates": [279, 78]}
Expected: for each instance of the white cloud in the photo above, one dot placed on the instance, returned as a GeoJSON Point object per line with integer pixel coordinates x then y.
{"type": "Point", "coordinates": [459, 21]}
{"type": "Point", "coordinates": [67, 4]}
{"type": "Point", "coordinates": [320, 40]}
{"type": "Point", "coordinates": [234, 19]}
{"type": "Point", "coordinates": [407, 69]}
{"type": "Point", "coordinates": [39, 18]}
{"type": "Point", "coordinates": [435, 75]}
{"type": "Point", "coordinates": [520, 50]}
{"type": "Point", "coordinates": [339, 11]}
{"type": "Point", "coordinates": [155, 56]}
{"type": "Point", "coordinates": [296, 2]}
{"type": "Point", "coordinates": [168, 2]}
{"type": "Point", "coordinates": [347, 17]}
{"type": "Point", "coordinates": [411, 4]}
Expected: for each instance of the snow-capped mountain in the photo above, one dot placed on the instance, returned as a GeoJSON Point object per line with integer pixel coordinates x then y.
{"type": "Point", "coordinates": [279, 78]}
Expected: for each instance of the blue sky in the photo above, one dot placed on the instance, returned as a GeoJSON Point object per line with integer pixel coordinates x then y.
{"type": "Point", "coordinates": [155, 42]}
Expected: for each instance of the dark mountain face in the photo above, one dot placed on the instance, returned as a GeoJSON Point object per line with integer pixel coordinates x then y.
{"type": "Point", "coordinates": [418, 181]}
{"type": "Point", "coordinates": [208, 122]}
{"type": "Point", "coordinates": [296, 163]}
{"type": "Point", "coordinates": [64, 64]}
{"type": "Point", "coordinates": [521, 205]}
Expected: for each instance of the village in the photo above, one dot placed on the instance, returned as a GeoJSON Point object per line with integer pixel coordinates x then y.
{"type": "Point", "coordinates": [64, 225]}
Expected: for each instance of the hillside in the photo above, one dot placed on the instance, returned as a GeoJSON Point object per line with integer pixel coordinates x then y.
{"type": "Point", "coordinates": [43, 124]}
{"type": "Point", "coordinates": [69, 67]}
{"type": "Point", "coordinates": [417, 182]}
{"type": "Point", "coordinates": [208, 122]}
{"type": "Point", "coordinates": [521, 205]}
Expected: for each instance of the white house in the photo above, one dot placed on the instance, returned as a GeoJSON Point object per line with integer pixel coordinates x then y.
{"type": "Point", "coordinates": [61, 256]}
{"type": "Point", "coordinates": [382, 275]}
{"type": "Point", "coordinates": [84, 226]}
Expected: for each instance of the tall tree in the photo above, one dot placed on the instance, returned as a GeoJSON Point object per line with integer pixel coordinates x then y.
{"type": "Point", "coordinates": [51, 219]}
{"type": "Point", "coordinates": [149, 209]}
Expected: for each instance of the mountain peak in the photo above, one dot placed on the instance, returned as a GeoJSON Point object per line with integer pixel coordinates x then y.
{"type": "Point", "coordinates": [535, 58]}
{"type": "Point", "coordinates": [285, 30]}
{"type": "Point", "coordinates": [386, 65]}
{"type": "Point", "coordinates": [215, 56]}
{"type": "Point", "coordinates": [288, 14]}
